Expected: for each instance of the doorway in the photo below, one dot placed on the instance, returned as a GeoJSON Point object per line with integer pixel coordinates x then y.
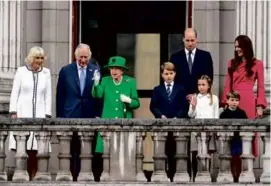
{"type": "Point", "coordinates": [106, 25]}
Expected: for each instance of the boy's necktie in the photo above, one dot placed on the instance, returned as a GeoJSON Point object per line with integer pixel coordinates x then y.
{"type": "Point", "coordinates": [82, 79]}
{"type": "Point", "coordinates": [190, 61]}
{"type": "Point", "coordinates": [168, 91]}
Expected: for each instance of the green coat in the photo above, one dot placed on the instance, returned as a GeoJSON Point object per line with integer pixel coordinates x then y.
{"type": "Point", "coordinates": [113, 107]}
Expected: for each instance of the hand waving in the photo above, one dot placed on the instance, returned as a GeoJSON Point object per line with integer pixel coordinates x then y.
{"type": "Point", "coordinates": [96, 77]}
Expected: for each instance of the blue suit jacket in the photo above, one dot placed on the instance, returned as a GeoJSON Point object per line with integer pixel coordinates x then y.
{"type": "Point", "coordinates": [69, 101]}
{"type": "Point", "coordinates": [175, 107]}
{"type": "Point", "coordinates": [202, 65]}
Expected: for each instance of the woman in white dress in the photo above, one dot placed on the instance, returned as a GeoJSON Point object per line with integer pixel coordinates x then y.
{"type": "Point", "coordinates": [31, 98]}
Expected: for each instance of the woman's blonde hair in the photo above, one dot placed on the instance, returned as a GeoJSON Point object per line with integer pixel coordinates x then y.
{"type": "Point", "coordinates": [34, 52]}
{"type": "Point", "coordinates": [209, 81]}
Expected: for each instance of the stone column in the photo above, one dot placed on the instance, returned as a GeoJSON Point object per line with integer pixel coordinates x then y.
{"type": "Point", "coordinates": [224, 174]}
{"type": "Point", "coordinates": [106, 156]}
{"type": "Point", "coordinates": [159, 141]}
{"type": "Point", "coordinates": [122, 156]}
{"type": "Point", "coordinates": [181, 156]}
{"type": "Point", "coordinates": [55, 25]}
{"type": "Point", "coordinates": [21, 173]}
{"type": "Point", "coordinates": [3, 174]}
{"type": "Point", "coordinates": [86, 156]}
{"type": "Point", "coordinates": [64, 156]}
{"type": "Point", "coordinates": [43, 156]}
{"type": "Point", "coordinates": [139, 156]}
{"type": "Point", "coordinates": [252, 19]}
{"type": "Point", "coordinates": [10, 47]}
{"type": "Point", "coordinates": [247, 174]}
{"type": "Point", "coordinates": [265, 177]}
{"type": "Point", "coordinates": [203, 174]}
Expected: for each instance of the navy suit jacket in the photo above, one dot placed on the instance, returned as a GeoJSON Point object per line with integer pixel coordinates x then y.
{"type": "Point", "coordinates": [69, 101]}
{"type": "Point", "coordinates": [202, 65]}
{"type": "Point", "coordinates": [175, 107]}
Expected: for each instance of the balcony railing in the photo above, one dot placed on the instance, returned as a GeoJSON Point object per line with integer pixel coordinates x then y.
{"type": "Point", "coordinates": [123, 148]}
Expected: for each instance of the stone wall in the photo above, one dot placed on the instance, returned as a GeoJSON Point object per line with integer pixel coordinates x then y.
{"type": "Point", "coordinates": [123, 146]}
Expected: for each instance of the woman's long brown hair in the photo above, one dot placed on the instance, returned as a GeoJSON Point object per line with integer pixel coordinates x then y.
{"type": "Point", "coordinates": [209, 81]}
{"type": "Point", "coordinates": [245, 44]}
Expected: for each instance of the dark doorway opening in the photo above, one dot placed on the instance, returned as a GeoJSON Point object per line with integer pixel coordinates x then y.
{"type": "Point", "coordinates": [101, 21]}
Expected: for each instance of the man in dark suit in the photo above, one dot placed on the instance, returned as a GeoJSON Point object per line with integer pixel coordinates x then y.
{"type": "Point", "coordinates": [169, 101]}
{"type": "Point", "coordinates": [191, 63]}
{"type": "Point", "coordinates": [74, 99]}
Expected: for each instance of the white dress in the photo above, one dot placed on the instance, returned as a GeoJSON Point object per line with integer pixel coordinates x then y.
{"type": "Point", "coordinates": [204, 110]}
{"type": "Point", "coordinates": [31, 97]}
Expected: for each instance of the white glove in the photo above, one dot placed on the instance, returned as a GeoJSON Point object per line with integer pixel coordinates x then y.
{"type": "Point", "coordinates": [125, 99]}
{"type": "Point", "coordinates": [96, 77]}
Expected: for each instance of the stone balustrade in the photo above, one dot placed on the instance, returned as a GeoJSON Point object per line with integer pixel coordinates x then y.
{"type": "Point", "coordinates": [123, 148]}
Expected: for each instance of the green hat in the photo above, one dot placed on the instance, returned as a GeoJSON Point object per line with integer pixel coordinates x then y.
{"type": "Point", "coordinates": [117, 61]}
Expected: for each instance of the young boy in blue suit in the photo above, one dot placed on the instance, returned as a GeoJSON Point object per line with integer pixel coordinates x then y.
{"type": "Point", "coordinates": [169, 101]}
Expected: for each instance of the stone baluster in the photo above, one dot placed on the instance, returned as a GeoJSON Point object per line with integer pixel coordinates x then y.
{"type": "Point", "coordinates": [21, 173]}
{"type": "Point", "coordinates": [224, 174]}
{"type": "Point", "coordinates": [159, 140]}
{"type": "Point", "coordinates": [86, 156]}
{"type": "Point", "coordinates": [247, 174]}
{"type": "Point", "coordinates": [64, 156]}
{"type": "Point", "coordinates": [106, 156]}
{"type": "Point", "coordinates": [43, 139]}
{"type": "Point", "coordinates": [203, 174]}
{"type": "Point", "coordinates": [181, 156]}
{"type": "Point", "coordinates": [3, 136]}
{"type": "Point", "coordinates": [265, 177]}
{"type": "Point", "coordinates": [139, 156]}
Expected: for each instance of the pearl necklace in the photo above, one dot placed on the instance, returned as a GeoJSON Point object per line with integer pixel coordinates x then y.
{"type": "Point", "coordinates": [117, 83]}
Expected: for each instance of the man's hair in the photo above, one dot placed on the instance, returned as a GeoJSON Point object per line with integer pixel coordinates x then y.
{"type": "Point", "coordinates": [233, 94]}
{"type": "Point", "coordinates": [194, 30]}
{"type": "Point", "coordinates": [82, 45]}
{"type": "Point", "coordinates": [168, 66]}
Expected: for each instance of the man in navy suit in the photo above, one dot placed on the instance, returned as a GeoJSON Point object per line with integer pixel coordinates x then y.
{"type": "Point", "coordinates": [74, 99]}
{"type": "Point", "coordinates": [191, 63]}
{"type": "Point", "coordinates": [169, 101]}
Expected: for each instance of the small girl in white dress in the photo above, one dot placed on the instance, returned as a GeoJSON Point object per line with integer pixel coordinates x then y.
{"type": "Point", "coordinates": [204, 105]}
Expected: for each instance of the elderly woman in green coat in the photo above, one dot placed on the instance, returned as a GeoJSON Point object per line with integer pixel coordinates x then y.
{"type": "Point", "coordinates": [118, 91]}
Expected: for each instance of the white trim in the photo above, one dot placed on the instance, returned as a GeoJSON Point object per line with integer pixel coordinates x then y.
{"type": "Point", "coordinates": [6, 38]}
{"type": "Point", "coordinates": [18, 34]}
{"type": "Point", "coordinates": [12, 36]}
{"type": "Point", "coordinates": [259, 42]}
{"type": "Point", "coordinates": [70, 31]}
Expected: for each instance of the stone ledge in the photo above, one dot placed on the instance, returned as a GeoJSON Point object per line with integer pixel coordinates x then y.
{"type": "Point", "coordinates": [134, 125]}
{"type": "Point", "coordinates": [32, 183]}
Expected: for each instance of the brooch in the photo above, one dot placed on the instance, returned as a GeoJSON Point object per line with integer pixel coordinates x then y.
{"type": "Point", "coordinates": [127, 80]}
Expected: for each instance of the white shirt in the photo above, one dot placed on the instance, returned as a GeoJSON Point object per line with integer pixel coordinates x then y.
{"type": "Point", "coordinates": [192, 55]}
{"type": "Point", "coordinates": [203, 108]}
{"type": "Point", "coordinates": [171, 85]}
{"type": "Point", "coordinates": [79, 69]}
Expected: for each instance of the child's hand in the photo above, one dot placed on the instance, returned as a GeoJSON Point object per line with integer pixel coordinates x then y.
{"type": "Point", "coordinates": [193, 101]}
{"type": "Point", "coordinates": [189, 96]}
